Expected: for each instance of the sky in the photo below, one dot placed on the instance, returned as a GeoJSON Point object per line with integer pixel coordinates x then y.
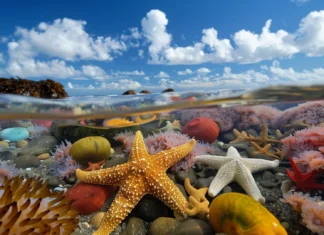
{"type": "Point", "coordinates": [107, 47]}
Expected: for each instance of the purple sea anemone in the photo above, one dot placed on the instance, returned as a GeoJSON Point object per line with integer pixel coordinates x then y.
{"type": "Point", "coordinates": [7, 170]}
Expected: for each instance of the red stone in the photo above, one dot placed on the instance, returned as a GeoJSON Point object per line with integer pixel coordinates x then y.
{"type": "Point", "coordinates": [88, 198]}
{"type": "Point", "coordinates": [202, 128]}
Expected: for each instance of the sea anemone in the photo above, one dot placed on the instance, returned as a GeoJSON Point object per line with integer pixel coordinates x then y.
{"type": "Point", "coordinates": [64, 168]}
{"type": "Point", "coordinates": [36, 130]}
{"type": "Point", "coordinates": [62, 150]}
{"type": "Point", "coordinates": [7, 170]}
{"type": "Point", "coordinates": [27, 206]}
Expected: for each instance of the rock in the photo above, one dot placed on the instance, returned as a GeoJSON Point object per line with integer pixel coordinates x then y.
{"type": "Point", "coordinates": [26, 161]}
{"type": "Point", "coordinates": [43, 156]}
{"type": "Point", "coordinates": [182, 175]}
{"type": "Point", "coordinates": [163, 226]}
{"type": "Point", "coordinates": [54, 181]}
{"type": "Point", "coordinates": [204, 182]}
{"type": "Point", "coordinates": [96, 219]}
{"type": "Point", "coordinates": [150, 208]}
{"type": "Point", "coordinates": [135, 226]}
{"type": "Point", "coordinates": [228, 136]}
{"type": "Point", "coordinates": [129, 92]}
{"type": "Point", "coordinates": [14, 134]}
{"type": "Point", "coordinates": [40, 145]}
{"type": "Point", "coordinates": [114, 161]}
{"type": "Point", "coordinates": [21, 143]}
{"type": "Point", "coordinates": [7, 155]}
{"type": "Point", "coordinates": [90, 149]}
{"type": "Point", "coordinates": [194, 227]}
{"type": "Point", "coordinates": [47, 89]}
{"type": "Point", "coordinates": [168, 90]}
{"type": "Point", "coordinates": [3, 145]}
{"type": "Point", "coordinates": [182, 190]}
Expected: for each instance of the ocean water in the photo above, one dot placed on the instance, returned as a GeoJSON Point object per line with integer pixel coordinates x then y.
{"type": "Point", "coordinates": [48, 140]}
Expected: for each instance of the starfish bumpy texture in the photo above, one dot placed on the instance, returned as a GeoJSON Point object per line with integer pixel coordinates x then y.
{"type": "Point", "coordinates": [233, 167]}
{"type": "Point", "coordinates": [142, 174]}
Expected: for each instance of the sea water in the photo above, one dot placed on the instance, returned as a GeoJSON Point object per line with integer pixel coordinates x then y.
{"type": "Point", "coordinates": [238, 117]}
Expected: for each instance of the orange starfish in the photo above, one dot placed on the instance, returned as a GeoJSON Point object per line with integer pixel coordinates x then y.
{"type": "Point", "coordinates": [142, 174]}
{"type": "Point", "coordinates": [94, 166]}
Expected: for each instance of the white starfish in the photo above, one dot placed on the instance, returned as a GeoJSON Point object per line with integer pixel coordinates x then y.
{"type": "Point", "coordinates": [233, 167]}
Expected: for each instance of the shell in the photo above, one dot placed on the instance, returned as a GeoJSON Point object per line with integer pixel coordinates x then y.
{"type": "Point", "coordinates": [90, 149]}
{"type": "Point", "coordinates": [239, 214]}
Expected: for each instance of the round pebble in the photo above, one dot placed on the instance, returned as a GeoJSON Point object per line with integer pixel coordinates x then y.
{"type": "Point", "coordinates": [43, 156]}
{"type": "Point", "coordinates": [14, 134]}
{"type": "Point", "coordinates": [96, 219]}
{"type": "Point", "coordinates": [21, 143]}
{"type": "Point", "coordinates": [4, 145]}
{"type": "Point", "coordinates": [163, 226]}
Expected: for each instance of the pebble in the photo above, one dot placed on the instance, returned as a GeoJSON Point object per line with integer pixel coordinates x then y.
{"type": "Point", "coordinates": [40, 145]}
{"type": "Point", "coordinates": [271, 199]}
{"type": "Point", "coordinates": [54, 181]}
{"type": "Point", "coordinates": [43, 156]}
{"type": "Point", "coordinates": [182, 175]}
{"type": "Point", "coordinates": [27, 160]}
{"type": "Point", "coordinates": [114, 161]}
{"type": "Point", "coordinates": [182, 190]}
{"type": "Point", "coordinates": [204, 182]}
{"type": "Point", "coordinates": [194, 227]}
{"type": "Point", "coordinates": [22, 144]}
{"type": "Point", "coordinates": [150, 208]}
{"type": "Point", "coordinates": [7, 155]}
{"type": "Point", "coordinates": [163, 226]}
{"type": "Point", "coordinates": [3, 145]}
{"type": "Point", "coordinates": [227, 189]}
{"type": "Point", "coordinates": [96, 219]}
{"type": "Point", "coordinates": [135, 226]}
{"type": "Point", "coordinates": [14, 134]}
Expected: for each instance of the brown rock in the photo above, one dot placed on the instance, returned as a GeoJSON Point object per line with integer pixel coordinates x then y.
{"type": "Point", "coordinates": [47, 89]}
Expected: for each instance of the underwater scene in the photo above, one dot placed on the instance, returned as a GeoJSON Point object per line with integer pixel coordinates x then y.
{"type": "Point", "coordinates": [228, 162]}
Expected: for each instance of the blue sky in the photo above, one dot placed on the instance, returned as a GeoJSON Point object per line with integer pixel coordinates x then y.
{"type": "Point", "coordinates": [107, 47]}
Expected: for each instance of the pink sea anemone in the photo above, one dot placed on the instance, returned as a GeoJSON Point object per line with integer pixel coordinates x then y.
{"type": "Point", "coordinates": [310, 160]}
{"type": "Point", "coordinates": [167, 140]}
{"type": "Point", "coordinates": [7, 170]}
{"type": "Point", "coordinates": [36, 130]}
{"type": "Point", "coordinates": [62, 150]}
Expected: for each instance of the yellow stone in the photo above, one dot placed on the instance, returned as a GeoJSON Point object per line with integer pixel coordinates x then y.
{"type": "Point", "coordinates": [96, 219]}
{"type": "Point", "coordinates": [4, 144]}
{"type": "Point", "coordinates": [43, 156]}
{"type": "Point", "coordinates": [21, 143]}
{"type": "Point", "coordinates": [90, 149]}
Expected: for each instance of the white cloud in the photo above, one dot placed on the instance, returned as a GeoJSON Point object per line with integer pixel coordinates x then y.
{"type": "Point", "coordinates": [90, 87]}
{"type": "Point", "coordinates": [141, 53]}
{"type": "Point", "coordinates": [65, 39]}
{"type": "Point", "coordinates": [4, 39]}
{"type": "Point", "coordinates": [300, 2]}
{"type": "Point", "coordinates": [245, 47]}
{"type": "Point", "coordinates": [134, 34]}
{"type": "Point", "coordinates": [162, 74]}
{"type": "Point", "coordinates": [1, 58]}
{"type": "Point", "coordinates": [146, 78]}
{"type": "Point", "coordinates": [70, 85]}
{"type": "Point", "coordinates": [129, 73]}
{"type": "Point", "coordinates": [154, 29]}
{"type": "Point", "coordinates": [203, 70]}
{"type": "Point", "coordinates": [124, 84]}
{"type": "Point", "coordinates": [185, 72]}
{"type": "Point", "coordinates": [94, 72]}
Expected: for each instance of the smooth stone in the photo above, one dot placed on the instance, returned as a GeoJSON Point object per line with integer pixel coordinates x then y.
{"type": "Point", "coordinates": [7, 155]}
{"type": "Point", "coordinates": [27, 160]}
{"type": "Point", "coordinates": [172, 177]}
{"type": "Point", "coordinates": [14, 134]}
{"type": "Point", "coordinates": [40, 145]}
{"type": "Point", "coordinates": [163, 226]}
{"type": "Point", "coordinates": [71, 179]}
{"type": "Point", "coordinates": [267, 183]}
{"type": "Point", "coordinates": [150, 208]}
{"type": "Point", "coordinates": [182, 190]}
{"type": "Point", "coordinates": [135, 226]}
{"type": "Point", "coordinates": [182, 175]}
{"type": "Point", "coordinates": [43, 156]}
{"type": "Point", "coordinates": [21, 143]}
{"type": "Point", "coordinates": [3, 145]}
{"type": "Point", "coordinates": [114, 161]}
{"type": "Point", "coordinates": [204, 182]}
{"type": "Point", "coordinates": [54, 181]}
{"type": "Point", "coordinates": [209, 171]}
{"type": "Point", "coordinates": [228, 136]}
{"type": "Point", "coordinates": [271, 199]}
{"type": "Point", "coordinates": [96, 219]}
{"type": "Point", "coordinates": [227, 189]}
{"type": "Point", "coordinates": [194, 227]}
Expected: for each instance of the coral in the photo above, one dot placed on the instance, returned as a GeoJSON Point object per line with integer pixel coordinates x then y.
{"type": "Point", "coordinates": [27, 206]}
{"type": "Point", "coordinates": [307, 139]}
{"type": "Point", "coordinates": [167, 140]}
{"type": "Point", "coordinates": [310, 113]}
{"type": "Point", "coordinates": [235, 213]}
{"type": "Point", "coordinates": [88, 198]}
{"type": "Point", "coordinates": [311, 210]}
{"type": "Point", "coordinates": [7, 170]}
{"type": "Point", "coordinates": [202, 128]}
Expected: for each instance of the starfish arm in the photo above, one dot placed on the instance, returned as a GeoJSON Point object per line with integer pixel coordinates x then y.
{"type": "Point", "coordinates": [247, 182]}
{"type": "Point", "coordinates": [112, 175]}
{"type": "Point", "coordinates": [167, 158]}
{"type": "Point", "coordinates": [213, 161]}
{"type": "Point", "coordinates": [255, 165]}
{"type": "Point", "coordinates": [166, 191]}
{"type": "Point", "coordinates": [124, 202]}
{"type": "Point", "coordinates": [224, 176]}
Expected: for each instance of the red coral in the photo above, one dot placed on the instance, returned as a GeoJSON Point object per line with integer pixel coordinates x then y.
{"type": "Point", "coordinates": [88, 198]}
{"type": "Point", "coordinates": [303, 181]}
{"type": "Point", "coordinates": [202, 128]}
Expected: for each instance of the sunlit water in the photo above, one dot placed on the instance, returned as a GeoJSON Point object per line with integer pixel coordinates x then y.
{"type": "Point", "coordinates": [250, 111]}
